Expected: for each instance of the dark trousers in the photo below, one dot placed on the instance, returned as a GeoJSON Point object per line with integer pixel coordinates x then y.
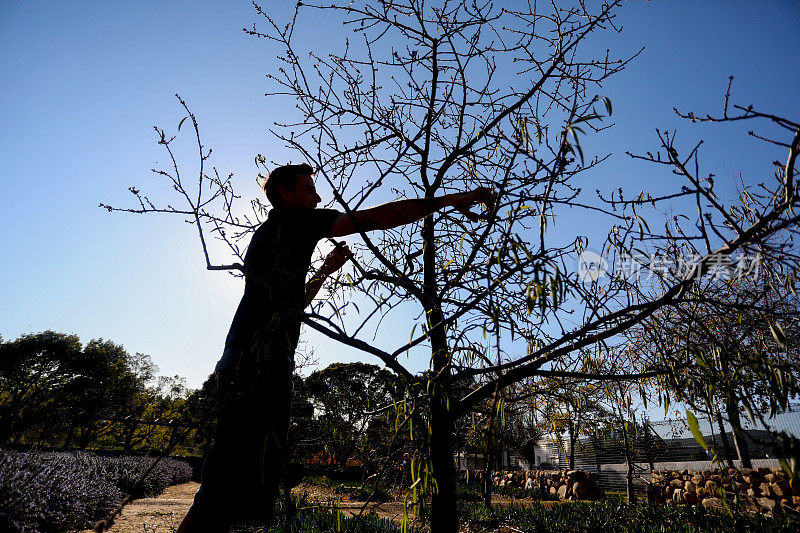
{"type": "Point", "coordinates": [240, 475]}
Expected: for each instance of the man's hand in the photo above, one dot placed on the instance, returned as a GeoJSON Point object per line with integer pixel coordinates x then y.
{"type": "Point", "coordinates": [336, 258]}
{"type": "Point", "coordinates": [333, 262]}
{"type": "Point", "coordinates": [462, 202]}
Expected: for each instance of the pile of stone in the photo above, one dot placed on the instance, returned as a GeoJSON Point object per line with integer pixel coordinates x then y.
{"type": "Point", "coordinates": [765, 490]}
{"type": "Point", "coordinates": [561, 484]}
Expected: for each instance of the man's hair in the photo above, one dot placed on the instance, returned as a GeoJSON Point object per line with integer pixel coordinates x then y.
{"type": "Point", "coordinates": [285, 176]}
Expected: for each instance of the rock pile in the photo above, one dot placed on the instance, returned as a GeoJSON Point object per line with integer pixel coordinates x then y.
{"type": "Point", "coordinates": [761, 490]}
{"type": "Point", "coordinates": [561, 484]}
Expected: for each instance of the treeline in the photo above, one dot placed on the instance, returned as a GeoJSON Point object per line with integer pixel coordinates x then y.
{"type": "Point", "coordinates": [58, 393]}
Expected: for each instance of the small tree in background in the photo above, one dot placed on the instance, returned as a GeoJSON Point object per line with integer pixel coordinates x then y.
{"type": "Point", "coordinates": [35, 377]}
{"type": "Point", "coordinates": [346, 398]}
{"type": "Point", "coordinates": [568, 406]}
{"type": "Point", "coordinates": [742, 333]}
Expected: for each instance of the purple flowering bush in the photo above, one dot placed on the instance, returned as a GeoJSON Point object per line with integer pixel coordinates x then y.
{"type": "Point", "coordinates": [52, 492]}
{"type": "Point", "coordinates": [126, 473]}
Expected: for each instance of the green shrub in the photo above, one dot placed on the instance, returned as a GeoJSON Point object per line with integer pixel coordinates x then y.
{"type": "Point", "coordinates": [374, 494]}
{"type": "Point", "coordinates": [468, 493]}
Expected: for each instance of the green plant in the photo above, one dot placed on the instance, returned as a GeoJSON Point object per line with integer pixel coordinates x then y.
{"type": "Point", "coordinates": [580, 517]}
{"type": "Point", "coordinates": [309, 518]}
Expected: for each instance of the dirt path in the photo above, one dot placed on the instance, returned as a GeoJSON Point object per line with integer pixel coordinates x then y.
{"type": "Point", "coordinates": [326, 497]}
{"type": "Point", "coordinates": [156, 515]}
{"type": "Point", "coordinates": [164, 513]}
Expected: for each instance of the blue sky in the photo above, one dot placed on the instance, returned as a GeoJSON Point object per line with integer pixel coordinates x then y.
{"type": "Point", "coordinates": [84, 82]}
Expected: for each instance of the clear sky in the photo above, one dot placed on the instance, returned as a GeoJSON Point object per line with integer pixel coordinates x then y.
{"type": "Point", "coordinates": [83, 83]}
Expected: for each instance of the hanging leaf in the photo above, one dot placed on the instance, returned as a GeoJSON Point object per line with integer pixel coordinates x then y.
{"type": "Point", "coordinates": [181, 122]}
{"type": "Point", "coordinates": [694, 426]}
{"type": "Point", "coordinates": [778, 334]}
{"type": "Point", "coordinates": [607, 101]}
{"type": "Point", "coordinates": [749, 410]}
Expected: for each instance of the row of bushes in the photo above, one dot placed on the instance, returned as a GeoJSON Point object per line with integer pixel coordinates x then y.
{"type": "Point", "coordinates": [44, 492]}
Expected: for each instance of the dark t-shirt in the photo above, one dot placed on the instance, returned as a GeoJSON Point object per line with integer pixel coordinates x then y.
{"type": "Point", "coordinates": [276, 265]}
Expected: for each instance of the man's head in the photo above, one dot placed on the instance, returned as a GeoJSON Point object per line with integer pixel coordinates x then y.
{"type": "Point", "coordinates": [292, 186]}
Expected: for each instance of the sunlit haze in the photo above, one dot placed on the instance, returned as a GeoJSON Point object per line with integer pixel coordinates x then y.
{"type": "Point", "coordinates": [83, 84]}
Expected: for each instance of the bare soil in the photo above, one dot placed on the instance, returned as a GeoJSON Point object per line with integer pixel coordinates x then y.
{"type": "Point", "coordinates": [156, 515]}
{"type": "Point", "coordinates": [164, 513]}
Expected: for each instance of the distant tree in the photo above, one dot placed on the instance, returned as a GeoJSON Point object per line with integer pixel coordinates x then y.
{"type": "Point", "coordinates": [200, 412]}
{"type": "Point", "coordinates": [569, 406]}
{"type": "Point", "coordinates": [56, 392]}
{"type": "Point", "coordinates": [168, 415]}
{"type": "Point", "coordinates": [37, 374]}
{"type": "Point", "coordinates": [136, 395]}
{"type": "Point", "coordinates": [621, 402]}
{"type": "Point", "coordinates": [346, 397]}
{"type": "Point", "coordinates": [522, 431]}
{"type": "Point", "coordinates": [105, 385]}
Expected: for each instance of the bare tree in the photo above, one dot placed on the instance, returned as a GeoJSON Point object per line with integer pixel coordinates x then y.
{"type": "Point", "coordinates": [428, 99]}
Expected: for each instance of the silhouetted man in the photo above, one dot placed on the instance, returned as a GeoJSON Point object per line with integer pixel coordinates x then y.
{"type": "Point", "coordinates": [240, 476]}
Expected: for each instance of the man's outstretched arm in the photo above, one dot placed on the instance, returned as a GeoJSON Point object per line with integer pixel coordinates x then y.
{"type": "Point", "coordinates": [401, 212]}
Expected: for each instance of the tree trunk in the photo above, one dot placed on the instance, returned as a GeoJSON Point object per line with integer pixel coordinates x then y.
{"type": "Point", "coordinates": [648, 450]}
{"type": "Point", "coordinates": [85, 436]}
{"type": "Point", "coordinates": [128, 432]}
{"type": "Point", "coordinates": [726, 447]}
{"type": "Point", "coordinates": [596, 449]}
{"type": "Point", "coordinates": [5, 428]}
{"type": "Point", "coordinates": [739, 438]}
{"type": "Point", "coordinates": [444, 518]}
{"type": "Point", "coordinates": [487, 472]}
{"type": "Point", "coordinates": [572, 439]}
{"type": "Point", "coordinates": [629, 462]}
{"type": "Point", "coordinates": [443, 502]}
{"type": "Point", "coordinates": [69, 434]}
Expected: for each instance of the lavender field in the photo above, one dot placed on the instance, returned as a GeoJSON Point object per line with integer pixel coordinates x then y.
{"type": "Point", "coordinates": [67, 491]}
